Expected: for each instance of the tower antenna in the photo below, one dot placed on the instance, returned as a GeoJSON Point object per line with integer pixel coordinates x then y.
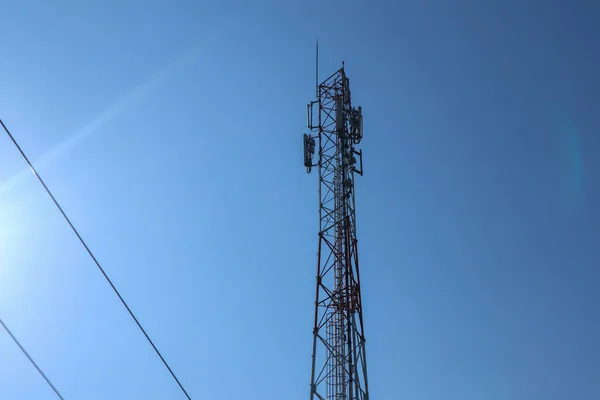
{"type": "Point", "coordinates": [339, 361]}
{"type": "Point", "coordinates": [317, 69]}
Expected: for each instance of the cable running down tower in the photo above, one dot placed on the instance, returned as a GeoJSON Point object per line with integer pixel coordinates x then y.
{"type": "Point", "coordinates": [339, 366]}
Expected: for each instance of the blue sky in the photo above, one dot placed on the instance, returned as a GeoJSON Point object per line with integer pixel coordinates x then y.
{"type": "Point", "coordinates": [171, 134]}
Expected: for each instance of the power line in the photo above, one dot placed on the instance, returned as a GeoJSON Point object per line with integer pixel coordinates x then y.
{"type": "Point", "coordinates": [93, 258]}
{"type": "Point", "coordinates": [30, 359]}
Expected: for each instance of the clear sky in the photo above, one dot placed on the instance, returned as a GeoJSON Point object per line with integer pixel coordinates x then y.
{"type": "Point", "coordinates": [171, 133]}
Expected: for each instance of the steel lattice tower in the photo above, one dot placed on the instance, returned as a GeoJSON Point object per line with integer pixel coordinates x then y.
{"type": "Point", "coordinates": [339, 367]}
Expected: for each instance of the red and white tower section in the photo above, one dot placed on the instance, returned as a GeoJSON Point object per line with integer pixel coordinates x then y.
{"type": "Point", "coordinates": [339, 365]}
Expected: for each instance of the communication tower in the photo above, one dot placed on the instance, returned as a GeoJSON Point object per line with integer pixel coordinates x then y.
{"type": "Point", "coordinates": [339, 365]}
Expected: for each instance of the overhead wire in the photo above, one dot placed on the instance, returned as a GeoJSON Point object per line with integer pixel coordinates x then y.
{"type": "Point", "coordinates": [30, 359]}
{"type": "Point", "coordinates": [94, 258]}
